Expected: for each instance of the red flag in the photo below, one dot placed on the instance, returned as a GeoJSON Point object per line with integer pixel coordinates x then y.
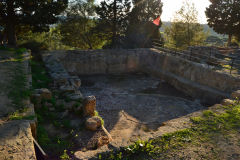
{"type": "Point", "coordinates": [157, 21]}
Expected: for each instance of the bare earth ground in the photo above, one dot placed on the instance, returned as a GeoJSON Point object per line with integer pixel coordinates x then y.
{"type": "Point", "coordinates": [135, 106]}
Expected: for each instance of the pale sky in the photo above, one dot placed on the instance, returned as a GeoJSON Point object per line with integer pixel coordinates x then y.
{"type": "Point", "coordinates": [171, 6]}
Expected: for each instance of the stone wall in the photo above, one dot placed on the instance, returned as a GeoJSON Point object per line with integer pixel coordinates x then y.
{"type": "Point", "coordinates": [101, 61]}
{"type": "Point", "coordinates": [17, 136]}
{"type": "Point", "coordinates": [192, 78]}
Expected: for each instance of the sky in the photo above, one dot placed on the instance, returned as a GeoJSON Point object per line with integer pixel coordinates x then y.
{"type": "Point", "coordinates": [171, 6]}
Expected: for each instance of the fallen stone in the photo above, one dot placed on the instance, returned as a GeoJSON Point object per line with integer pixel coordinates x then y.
{"type": "Point", "coordinates": [48, 105]}
{"type": "Point", "coordinates": [227, 102]}
{"type": "Point", "coordinates": [75, 96]}
{"type": "Point", "coordinates": [51, 109]}
{"type": "Point", "coordinates": [44, 93]}
{"type": "Point", "coordinates": [64, 114]}
{"type": "Point", "coordinates": [36, 98]}
{"type": "Point", "coordinates": [236, 95]}
{"type": "Point", "coordinates": [69, 105]}
{"type": "Point", "coordinates": [76, 122]}
{"type": "Point", "coordinates": [93, 123]}
{"type": "Point", "coordinates": [76, 82]}
{"type": "Point", "coordinates": [89, 106]}
{"type": "Point", "coordinates": [67, 89]}
{"type": "Point", "coordinates": [104, 140]}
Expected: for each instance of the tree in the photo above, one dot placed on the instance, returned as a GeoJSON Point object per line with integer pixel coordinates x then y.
{"type": "Point", "coordinates": [185, 29]}
{"type": "Point", "coordinates": [77, 29]}
{"type": "Point", "coordinates": [224, 17]}
{"type": "Point", "coordinates": [141, 30]}
{"type": "Point", "coordinates": [38, 14]}
{"type": "Point", "coordinates": [113, 19]}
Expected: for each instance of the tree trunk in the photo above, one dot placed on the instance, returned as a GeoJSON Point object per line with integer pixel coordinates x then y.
{"type": "Point", "coordinates": [11, 22]}
{"type": "Point", "coordinates": [229, 40]}
{"type": "Point", "coordinates": [114, 30]}
{"type": "Point", "coordinates": [11, 34]}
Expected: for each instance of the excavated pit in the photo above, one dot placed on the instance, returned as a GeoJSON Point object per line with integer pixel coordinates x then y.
{"type": "Point", "coordinates": [134, 106]}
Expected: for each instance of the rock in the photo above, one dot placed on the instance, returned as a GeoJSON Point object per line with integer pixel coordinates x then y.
{"type": "Point", "coordinates": [51, 109]}
{"type": "Point", "coordinates": [70, 105]}
{"type": "Point", "coordinates": [33, 125]}
{"type": "Point", "coordinates": [64, 114]}
{"type": "Point", "coordinates": [93, 123]}
{"type": "Point", "coordinates": [76, 122]}
{"type": "Point", "coordinates": [60, 102]}
{"type": "Point", "coordinates": [236, 95]}
{"type": "Point", "coordinates": [44, 93]}
{"type": "Point", "coordinates": [75, 96]}
{"type": "Point", "coordinates": [36, 98]}
{"type": "Point", "coordinates": [67, 89]}
{"type": "Point", "coordinates": [76, 82]}
{"type": "Point", "coordinates": [89, 106]}
{"type": "Point", "coordinates": [48, 105]}
{"type": "Point", "coordinates": [227, 102]}
{"type": "Point", "coordinates": [16, 141]}
{"type": "Point", "coordinates": [104, 140]}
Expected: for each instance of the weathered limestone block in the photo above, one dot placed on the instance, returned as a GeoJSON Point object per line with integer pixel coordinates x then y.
{"type": "Point", "coordinates": [93, 123]}
{"type": "Point", "coordinates": [75, 81]}
{"type": "Point", "coordinates": [67, 89]}
{"type": "Point", "coordinates": [235, 94]}
{"type": "Point", "coordinates": [44, 93]}
{"type": "Point", "coordinates": [104, 140]}
{"type": "Point", "coordinates": [89, 106]}
{"type": "Point", "coordinates": [16, 141]}
{"type": "Point", "coordinates": [227, 102]}
{"type": "Point", "coordinates": [75, 96]}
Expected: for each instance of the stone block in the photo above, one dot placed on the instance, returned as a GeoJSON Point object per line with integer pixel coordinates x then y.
{"type": "Point", "coordinates": [93, 123]}
{"type": "Point", "coordinates": [235, 95]}
{"type": "Point", "coordinates": [227, 102]}
{"type": "Point", "coordinates": [44, 93]}
{"type": "Point", "coordinates": [89, 106]}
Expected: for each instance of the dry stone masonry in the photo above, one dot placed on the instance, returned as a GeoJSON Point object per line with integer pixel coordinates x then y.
{"type": "Point", "coordinates": [194, 79]}
{"type": "Point", "coordinates": [16, 136]}
{"type": "Point", "coordinates": [66, 83]}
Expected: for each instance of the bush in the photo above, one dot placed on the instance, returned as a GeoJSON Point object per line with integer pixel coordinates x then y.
{"type": "Point", "coordinates": [234, 44]}
{"type": "Point", "coordinates": [34, 46]}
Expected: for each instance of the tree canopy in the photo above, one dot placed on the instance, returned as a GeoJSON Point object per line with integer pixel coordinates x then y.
{"type": "Point", "coordinates": [185, 29]}
{"type": "Point", "coordinates": [141, 30]}
{"type": "Point", "coordinates": [78, 27]}
{"type": "Point", "coordinates": [113, 19]}
{"type": "Point", "coordinates": [224, 17]}
{"type": "Point", "coordinates": [37, 14]}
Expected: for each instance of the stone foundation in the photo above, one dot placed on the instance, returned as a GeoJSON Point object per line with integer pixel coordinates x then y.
{"type": "Point", "coordinates": [194, 79]}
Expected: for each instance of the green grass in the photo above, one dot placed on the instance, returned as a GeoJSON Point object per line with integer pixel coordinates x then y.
{"type": "Point", "coordinates": [54, 146]}
{"type": "Point", "coordinates": [18, 90]}
{"type": "Point", "coordinates": [18, 115]}
{"type": "Point", "coordinates": [15, 50]}
{"type": "Point", "coordinates": [40, 78]}
{"type": "Point", "coordinates": [97, 114]}
{"type": "Point", "coordinates": [204, 129]}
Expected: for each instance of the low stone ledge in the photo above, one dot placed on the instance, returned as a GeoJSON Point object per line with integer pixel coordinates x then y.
{"type": "Point", "coordinates": [16, 141]}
